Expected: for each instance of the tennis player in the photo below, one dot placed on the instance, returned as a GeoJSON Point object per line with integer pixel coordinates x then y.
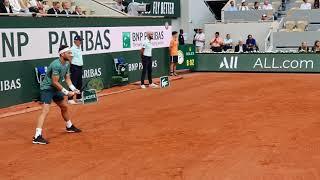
{"type": "Point", "coordinates": [52, 90]}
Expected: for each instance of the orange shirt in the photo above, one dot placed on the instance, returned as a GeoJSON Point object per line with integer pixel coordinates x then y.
{"type": "Point", "coordinates": [216, 42]}
{"type": "Point", "coordinates": [173, 49]}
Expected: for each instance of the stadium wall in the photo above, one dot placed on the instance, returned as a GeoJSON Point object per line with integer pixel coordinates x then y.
{"type": "Point", "coordinates": [27, 42]}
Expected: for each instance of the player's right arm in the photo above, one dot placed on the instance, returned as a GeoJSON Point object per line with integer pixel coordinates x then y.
{"type": "Point", "coordinates": [55, 82]}
{"type": "Point", "coordinates": [57, 85]}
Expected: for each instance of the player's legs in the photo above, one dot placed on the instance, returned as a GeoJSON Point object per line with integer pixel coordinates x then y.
{"type": "Point", "coordinates": [46, 99]}
{"type": "Point", "coordinates": [44, 112]}
{"type": "Point", "coordinates": [66, 116]}
{"type": "Point", "coordinates": [64, 110]}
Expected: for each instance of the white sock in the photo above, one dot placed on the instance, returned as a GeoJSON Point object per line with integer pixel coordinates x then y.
{"type": "Point", "coordinates": [69, 124]}
{"type": "Point", "coordinates": [38, 132]}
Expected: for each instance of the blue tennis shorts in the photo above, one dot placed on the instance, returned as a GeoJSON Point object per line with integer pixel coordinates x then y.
{"type": "Point", "coordinates": [46, 96]}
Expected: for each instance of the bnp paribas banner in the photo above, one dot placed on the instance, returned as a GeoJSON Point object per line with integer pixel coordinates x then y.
{"type": "Point", "coordinates": [260, 62]}
{"type": "Point", "coordinates": [41, 43]}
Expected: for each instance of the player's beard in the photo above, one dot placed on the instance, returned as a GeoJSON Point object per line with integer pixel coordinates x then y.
{"type": "Point", "coordinates": [66, 59]}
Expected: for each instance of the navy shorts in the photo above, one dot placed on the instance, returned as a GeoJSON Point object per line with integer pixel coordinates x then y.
{"type": "Point", "coordinates": [174, 59]}
{"type": "Point", "coordinates": [46, 96]}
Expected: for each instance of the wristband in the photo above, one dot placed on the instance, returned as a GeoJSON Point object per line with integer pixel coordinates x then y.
{"type": "Point", "coordinates": [64, 91]}
{"type": "Point", "coordinates": [72, 87]}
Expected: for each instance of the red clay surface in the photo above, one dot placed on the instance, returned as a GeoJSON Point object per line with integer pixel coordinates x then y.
{"type": "Point", "coordinates": [205, 127]}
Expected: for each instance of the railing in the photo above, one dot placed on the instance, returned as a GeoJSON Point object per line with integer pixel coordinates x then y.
{"type": "Point", "coordinates": [70, 16]}
{"type": "Point", "coordinates": [111, 8]}
{"type": "Point", "coordinates": [268, 42]}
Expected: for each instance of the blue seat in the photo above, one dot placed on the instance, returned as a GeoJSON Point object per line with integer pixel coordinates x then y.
{"type": "Point", "coordinates": [40, 73]}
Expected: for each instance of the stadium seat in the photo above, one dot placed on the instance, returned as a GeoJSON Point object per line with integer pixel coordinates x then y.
{"type": "Point", "coordinates": [302, 25]}
{"type": "Point", "coordinates": [289, 25]}
{"type": "Point", "coordinates": [40, 73]}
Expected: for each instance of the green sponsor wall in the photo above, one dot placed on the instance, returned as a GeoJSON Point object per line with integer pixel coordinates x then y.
{"type": "Point", "coordinates": [259, 62]}
{"type": "Point", "coordinates": [18, 83]}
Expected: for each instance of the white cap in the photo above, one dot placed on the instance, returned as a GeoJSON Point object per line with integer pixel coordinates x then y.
{"type": "Point", "coordinates": [243, 1]}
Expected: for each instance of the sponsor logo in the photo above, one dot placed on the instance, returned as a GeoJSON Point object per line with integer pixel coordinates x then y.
{"type": "Point", "coordinates": [164, 82]}
{"type": "Point", "coordinates": [8, 85]}
{"type": "Point", "coordinates": [21, 44]}
{"type": "Point", "coordinates": [91, 73]}
{"type": "Point", "coordinates": [126, 40]}
{"type": "Point", "coordinates": [232, 63]}
{"type": "Point", "coordinates": [286, 64]}
{"type": "Point", "coordinates": [89, 96]}
{"type": "Point", "coordinates": [163, 8]}
{"type": "Point", "coordinates": [180, 57]}
{"type": "Point", "coordinates": [138, 66]}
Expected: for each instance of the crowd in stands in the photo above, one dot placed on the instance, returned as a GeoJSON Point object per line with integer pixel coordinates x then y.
{"type": "Point", "coordinates": [121, 5]}
{"type": "Point", "coordinates": [244, 6]}
{"type": "Point", "coordinates": [218, 44]}
{"type": "Point", "coordinates": [256, 6]}
{"type": "Point", "coordinates": [304, 48]}
{"type": "Point", "coordinates": [38, 6]}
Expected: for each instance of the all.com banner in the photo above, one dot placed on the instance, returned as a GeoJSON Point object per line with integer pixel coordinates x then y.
{"type": "Point", "coordinates": [261, 62]}
{"type": "Point", "coordinates": [41, 43]}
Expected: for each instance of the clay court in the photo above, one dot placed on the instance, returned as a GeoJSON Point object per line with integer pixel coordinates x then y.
{"type": "Point", "coordinates": [207, 126]}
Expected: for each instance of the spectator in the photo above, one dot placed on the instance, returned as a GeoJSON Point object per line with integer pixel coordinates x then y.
{"type": "Point", "coordinates": [256, 6]}
{"type": "Point", "coordinates": [228, 43]}
{"type": "Point", "coordinates": [244, 6]}
{"type": "Point", "coordinates": [200, 39]}
{"type": "Point", "coordinates": [305, 5]}
{"type": "Point", "coordinates": [46, 7]}
{"type": "Point", "coordinates": [66, 8]}
{"type": "Point", "coordinates": [125, 4]}
{"type": "Point", "coordinates": [133, 9]}
{"type": "Point", "coordinates": [77, 11]}
{"type": "Point", "coordinates": [5, 7]}
{"type": "Point", "coordinates": [181, 37]}
{"type": "Point", "coordinates": [16, 7]}
{"type": "Point", "coordinates": [240, 47]}
{"type": "Point", "coordinates": [316, 47]}
{"type": "Point", "coordinates": [266, 5]}
{"type": "Point", "coordinates": [264, 17]}
{"type": "Point", "coordinates": [303, 48]}
{"type": "Point", "coordinates": [316, 4]}
{"type": "Point", "coordinates": [251, 44]}
{"type": "Point", "coordinates": [196, 31]}
{"type": "Point", "coordinates": [55, 8]}
{"type": "Point", "coordinates": [216, 43]}
{"type": "Point", "coordinates": [119, 6]}
{"type": "Point", "coordinates": [25, 4]}
{"type": "Point", "coordinates": [41, 7]}
{"type": "Point", "coordinates": [232, 7]}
